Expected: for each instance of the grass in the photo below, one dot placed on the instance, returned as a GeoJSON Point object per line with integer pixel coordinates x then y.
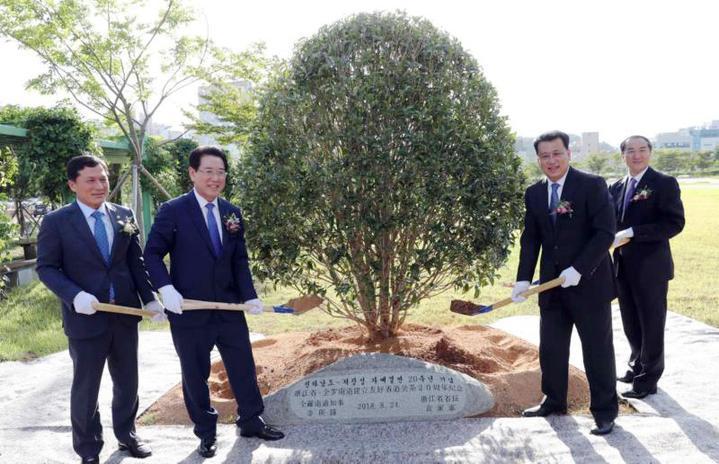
{"type": "Point", "coordinates": [30, 324]}
{"type": "Point", "coordinates": [30, 317]}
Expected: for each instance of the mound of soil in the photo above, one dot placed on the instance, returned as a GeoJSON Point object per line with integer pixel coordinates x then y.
{"type": "Point", "coordinates": [508, 366]}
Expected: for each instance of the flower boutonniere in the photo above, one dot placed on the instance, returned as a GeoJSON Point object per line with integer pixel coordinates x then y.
{"type": "Point", "coordinates": [643, 194]}
{"type": "Point", "coordinates": [232, 223]}
{"type": "Point", "coordinates": [128, 226]}
{"type": "Point", "coordinates": [564, 207]}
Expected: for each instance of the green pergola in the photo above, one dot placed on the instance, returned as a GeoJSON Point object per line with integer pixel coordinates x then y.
{"type": "Point", "coordinates": [113, 152]}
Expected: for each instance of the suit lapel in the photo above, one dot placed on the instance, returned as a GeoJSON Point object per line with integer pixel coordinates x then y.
{"type": "Point", "coordinates": [224, 212]}
{"type": "Point", "coordinates": [198, 219]}
{"type": "Point", "coordinates": [646, 182]}
{"type": "Point", "coordinates": [80, 223]}
{"type": "Point", "coordinates": [116, 236]}
{"type": "Point", "coordinates": [542, 199]}
{"type": "Point", "coordinates": [568, 189]}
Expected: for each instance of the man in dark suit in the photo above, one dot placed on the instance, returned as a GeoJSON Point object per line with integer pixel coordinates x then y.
{"type": "Point", "coordinates": [570, 218]}
{"type": "Point", "coordinates": [649, 212]}
{"type": "Point", "coordinates": [88, 251]}
{"type": "Point", "coordinates": [204, 236]}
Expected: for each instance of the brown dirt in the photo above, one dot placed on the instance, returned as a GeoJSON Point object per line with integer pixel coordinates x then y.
{"type": "Point", "coordinates": [508, 366]}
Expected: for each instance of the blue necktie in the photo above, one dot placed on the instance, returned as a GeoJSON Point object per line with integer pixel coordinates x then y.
{"type": "Point", "coordinates": [102, 242]}
{"type": "Point", "coordinates": [628, 197]}
{"type": "Point", "coordinates": [554, 202]}
{"type": "Point", "coordinates": [212, 228]}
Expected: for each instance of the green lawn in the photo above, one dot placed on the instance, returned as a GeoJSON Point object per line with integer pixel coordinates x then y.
{"type": "Point", "coordinates": [30, 317]}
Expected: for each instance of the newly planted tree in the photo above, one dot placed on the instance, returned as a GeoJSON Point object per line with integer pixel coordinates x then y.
{"type": "Point", "coordinates": [380, 172]}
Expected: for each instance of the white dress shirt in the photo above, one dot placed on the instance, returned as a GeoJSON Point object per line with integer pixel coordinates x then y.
{"type": "Point", "coordinates": [215, 211]}
{"type": "Point", "coordinates": [559, 181]}
{"type": "Point", "coordinates": [87, 211]}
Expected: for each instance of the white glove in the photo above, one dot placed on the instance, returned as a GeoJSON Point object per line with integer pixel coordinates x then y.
{"type": "Point", "coordinates": [83, 303]}
{"type": "Point", "coordinates": [621, 235]}
{"type": "Point", "coordinates": [255, 306]}
{"type": "Point", "coordinates": [159, 310]}
{"type": "Point", "coordinates": [519, 287]}
{"type": "Point", "coordinates": [571, 277]}
{"type": "Point", "coordinates": [172, 299]}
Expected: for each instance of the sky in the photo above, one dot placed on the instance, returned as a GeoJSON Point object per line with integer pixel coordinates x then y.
{"type": "Point", "coordinates": [613, 67]}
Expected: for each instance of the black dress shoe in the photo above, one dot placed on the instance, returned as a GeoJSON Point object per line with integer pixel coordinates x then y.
{"type": "Point", "coordinates": [91, 460]}
{"type": "Point", "coordinates": [627, 378]}
{"type": "Point", "coordinates": [137, 448]}
{"type": "Point", "coordinates": [639, 394]}
{"type": "Point", "coordinates": [542, 410]}
{"type": "Point", "coordinates": [265, 432]}
{"type": "Point", "coordinates": [208, 447]}
{"type": "Point", "coordinates": [603, 427]}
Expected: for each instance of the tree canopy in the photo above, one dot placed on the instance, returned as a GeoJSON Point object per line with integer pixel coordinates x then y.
{"type": "Point", "coordinates": [380, 171]}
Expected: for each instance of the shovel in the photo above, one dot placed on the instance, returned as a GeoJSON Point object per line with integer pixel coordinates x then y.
{"type": "Point", "coordinates": [468, 308]}
{"type": "Point", "coordinates": [295, 306]}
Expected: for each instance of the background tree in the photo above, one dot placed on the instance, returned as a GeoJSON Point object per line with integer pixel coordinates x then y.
{"type": "Point", "coordinates": [112, 63]}
{"type": "Point", "coordinates": [54, 136]}
{"type": "Point", "coordinates": [8, 170]}
{"type": "Point", "coordinates": [702, 161]}
{"type": "Point", "coordinates": [231, 95]}
{"type": "Point", "coordinates": [596, 163]}
{"type": "Point", "coordinates": [671, 161]}
{"type": "Point", "coordinates": [380, 171]}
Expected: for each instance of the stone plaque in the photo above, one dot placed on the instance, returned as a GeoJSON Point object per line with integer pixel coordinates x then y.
{"type": "Point", "coordinates": [377, 387]}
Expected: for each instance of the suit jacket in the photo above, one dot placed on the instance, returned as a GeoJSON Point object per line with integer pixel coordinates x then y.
{"type": "Point", "coordinates": [69, 261]}
{"type": "Point", "coordinates": [654, 221]}
{"type": "Point", "coordinates": [180, 230]}
{"type": "Point", "coordinates": [581, 238]}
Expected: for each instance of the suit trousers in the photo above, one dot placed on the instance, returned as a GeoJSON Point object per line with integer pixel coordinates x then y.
{"type": "Point", "coordinates": [644, 313]}
{"type": "Point", "coordinates": [117, 345]}
{"type": "Point", "coordinates": [193, 346]}
{"type": "Point", "coordinates": [594, 325]}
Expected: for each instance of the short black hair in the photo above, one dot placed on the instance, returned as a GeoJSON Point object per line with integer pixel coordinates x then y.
{"type": "Point", "coordinates": [206, 150]}
{"type": "Point", "coordinates": [623, 145]}
{"type": "Point", "coordinates": [548, 137]}
{"type": "Point", "coordinates": [80, 162]}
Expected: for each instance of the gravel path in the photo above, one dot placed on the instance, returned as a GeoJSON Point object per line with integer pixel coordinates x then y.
{"type": "Point", "coordinates": [679, 424]}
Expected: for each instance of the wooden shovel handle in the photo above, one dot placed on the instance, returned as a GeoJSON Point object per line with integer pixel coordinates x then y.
{"type": "Point", "coordinates": [531, 291]}
{"type": "Point", "coordinates": [191, 305]}
{"type": "Point", "coordinates": [117, 309]}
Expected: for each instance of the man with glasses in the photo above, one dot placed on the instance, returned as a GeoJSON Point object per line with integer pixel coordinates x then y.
{"type": "Point", "coordinates": [204, 236]}
{"type": "Point", "coordinates": [570, 218]}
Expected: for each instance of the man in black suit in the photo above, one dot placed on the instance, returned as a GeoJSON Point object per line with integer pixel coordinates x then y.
{"type": "Point", "coordinates": [204, 236]}
{"type": "Point", "coordinates": [569, 217]}
{"type": "Point", "coordinates": [649, 212]}
{"type": "Point", "coordinates": [88, 251]}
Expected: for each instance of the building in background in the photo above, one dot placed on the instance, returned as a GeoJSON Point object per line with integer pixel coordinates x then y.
{"type": "Point", "coordinates": [590, 144]}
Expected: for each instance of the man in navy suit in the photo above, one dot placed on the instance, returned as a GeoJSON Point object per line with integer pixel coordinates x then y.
{"type": "Point", "coordinates": [88, 251]}
{"type": "Point", "coordinates": [204, 236]}
{"type": "Point", "coordinates": [649, 212]}
{"type": "Point", "coordinates": [570, 218]}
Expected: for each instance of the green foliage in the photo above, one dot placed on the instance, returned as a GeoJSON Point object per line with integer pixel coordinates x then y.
{"type": "Point", "coordinates": [8, 170]}
{"type": "Point", "coordinates": [231, 94]}
{"type": "Point", "coordinates": [671, 161]}
{"type": "Point", "coordinates": [120, 67]}
{"type": "Point", "coordinates": [380, 171]}
{"type": "Point", "coordinates": [30, 324]}
{"type": "Point", "coordinates": [168, 163]}
{"type": "Point", "coordinates": [597, 163]}
{"type": "Point", "coordinates": [54, 136]}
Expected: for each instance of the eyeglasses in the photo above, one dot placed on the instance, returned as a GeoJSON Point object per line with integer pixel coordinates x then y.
{"type": "Point", "coordinates": [213, 173]}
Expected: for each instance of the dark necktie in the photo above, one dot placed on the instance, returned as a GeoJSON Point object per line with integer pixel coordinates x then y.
{"type": "Point", "coordinates": [554, 202]}
{"type": "Point", "coordinates": [629, 195]}
{"type": "Point", "coordinates": [103, 244]}
{"type": "Point", "coordinates": [212, 228]}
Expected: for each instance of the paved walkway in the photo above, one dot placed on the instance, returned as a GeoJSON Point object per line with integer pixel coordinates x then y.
{"type": "Point", "coordinates": [679, 424]}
